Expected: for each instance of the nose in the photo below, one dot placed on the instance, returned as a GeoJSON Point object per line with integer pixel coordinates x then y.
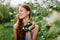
{"type": "Point", "coordinates": [19, 12]}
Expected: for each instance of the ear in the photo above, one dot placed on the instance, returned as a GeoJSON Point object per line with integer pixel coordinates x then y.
{"type": "Point", "coordinates": [28, 12]}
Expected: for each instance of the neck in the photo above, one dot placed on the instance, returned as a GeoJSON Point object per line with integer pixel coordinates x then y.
{"type": "Point", "coordinates": [26, 20]}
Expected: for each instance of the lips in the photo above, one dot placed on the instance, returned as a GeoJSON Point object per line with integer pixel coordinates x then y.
{"type": "Point", "coordinates": [20, 14]}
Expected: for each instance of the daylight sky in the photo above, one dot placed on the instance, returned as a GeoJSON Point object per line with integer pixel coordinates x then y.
{"type": "Point", "coordinates": [16, 2]}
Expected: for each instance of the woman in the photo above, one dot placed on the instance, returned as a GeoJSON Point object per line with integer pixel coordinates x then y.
{"type": "Point", "coordinates": [24, 19]}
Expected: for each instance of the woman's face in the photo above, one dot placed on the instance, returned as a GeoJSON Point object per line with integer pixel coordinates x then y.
{"type": "Point", "coordinates": [22, 12]}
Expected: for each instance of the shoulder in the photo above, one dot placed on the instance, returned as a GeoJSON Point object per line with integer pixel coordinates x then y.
{"type": "Point", "coordinates": [15, 26]}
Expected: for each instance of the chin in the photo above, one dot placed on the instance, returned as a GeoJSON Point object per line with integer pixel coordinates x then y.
{"type": "Point", "coordinates": [21, 17]}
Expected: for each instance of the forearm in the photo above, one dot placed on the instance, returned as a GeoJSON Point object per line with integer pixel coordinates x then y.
{"type": "Point", "coordinates": [29, 36]}
{"type": "Point", "coordinates": [14, 31]}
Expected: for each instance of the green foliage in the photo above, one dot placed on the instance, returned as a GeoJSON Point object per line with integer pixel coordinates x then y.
{"type": "Point", "coordinates": [6, 13]}
{"type": "Point", "coordinates": [55, 7]}
{"type": "Point", "coordinates": [6, 32]}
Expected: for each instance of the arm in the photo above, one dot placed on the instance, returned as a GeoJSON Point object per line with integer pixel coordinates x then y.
{"type": "Point", "coordinates": [30, 28]}
{"type": "Point", "coordinates": [14, 30]}
{"type": "Point", "coordinates": [35, 32]}
{"type": "Point", "coordinates": [29, 36]}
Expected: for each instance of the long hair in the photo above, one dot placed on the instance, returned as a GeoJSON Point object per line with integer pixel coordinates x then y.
{"type": "Point", "coordinates": [20, 32]}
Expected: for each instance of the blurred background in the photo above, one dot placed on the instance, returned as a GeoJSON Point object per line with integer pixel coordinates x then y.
{"type": "Point", "coordinates": [46, 13]}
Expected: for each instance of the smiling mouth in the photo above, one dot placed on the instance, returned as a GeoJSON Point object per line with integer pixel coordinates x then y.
{"type": "Point", "coordinates": [20, 14]}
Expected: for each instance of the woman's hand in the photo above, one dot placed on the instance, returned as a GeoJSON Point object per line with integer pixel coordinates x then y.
{"type": "Point", "coordinates": [32, 26]}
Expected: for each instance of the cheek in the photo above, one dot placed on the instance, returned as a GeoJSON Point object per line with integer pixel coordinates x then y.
{"type": "Point", "coordinates": [24, 13]}
{"type": "Point", "coordinates": [22, 16]}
